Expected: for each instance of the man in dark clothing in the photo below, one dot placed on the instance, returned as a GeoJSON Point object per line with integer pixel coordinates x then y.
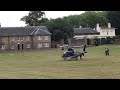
{"type": "Point", "coordinates": [106, 51]}
{"type": "Point", "coordinates": [71, 51]}
{"type": "Point", "coordinates": [68, 53]}
{"type": "Point", "coordinates": [84, 48]}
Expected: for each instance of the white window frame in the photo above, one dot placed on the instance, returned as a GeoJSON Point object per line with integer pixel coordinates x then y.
{"type": "Point", "coordinates": [22, 38]}
{"type": "Point", "coordinates": [3, 39]}
{"type": "Point", "coordinates": [28, 38]}
{"type": "Point", "coordinates": [46, 45]}
{"type": "Point", "coordinates": [39, 37]}
{"type": "Point", "coordinates": [13, 39]}
{"type": "Point", "coordinates": [3, 47]}
{"type": "Point", "coordinates": [12, 47]}
{"type": "Point", "coordinates": [28, 45]}
{"type": "Point", "coordinates": [107, 33]}
{"type": "Point", "coordinates": [40, 45]}
{"type": "Point", "coordinates": [46, 38]}
{"type": "Point", "coordinates": [18, 38]}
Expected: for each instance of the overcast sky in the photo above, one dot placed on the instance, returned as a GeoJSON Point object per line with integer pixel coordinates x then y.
{"type": "Point", "coordinates": [12, 18]}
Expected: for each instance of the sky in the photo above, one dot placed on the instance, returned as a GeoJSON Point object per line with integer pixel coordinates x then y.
{"type": "Point", "coordinates": [12, 18]}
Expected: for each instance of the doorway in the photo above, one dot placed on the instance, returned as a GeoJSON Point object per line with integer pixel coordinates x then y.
{"type": "Point", "coordinates": [22, 46]}
{"type": "Point", "coordinates": [88, 41]}
{"type": "Point", "coordinates": [18, 46]}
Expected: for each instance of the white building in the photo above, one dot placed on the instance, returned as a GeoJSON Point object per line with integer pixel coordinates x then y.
{"type": "Point", "coordinates": [105, 31]}
{"type": "Point", "coordinates": [86, 36]}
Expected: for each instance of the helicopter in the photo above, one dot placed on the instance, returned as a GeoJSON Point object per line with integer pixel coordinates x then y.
{"type": "Point", "coordinates": [72, 54]}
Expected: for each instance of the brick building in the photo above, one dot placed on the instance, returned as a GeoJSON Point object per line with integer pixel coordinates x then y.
{"type": "Point", "coordinates": [23, 38]}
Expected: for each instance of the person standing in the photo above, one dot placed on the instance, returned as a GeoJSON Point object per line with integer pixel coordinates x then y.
{"type": "Point", "coordinates": [106, 51]}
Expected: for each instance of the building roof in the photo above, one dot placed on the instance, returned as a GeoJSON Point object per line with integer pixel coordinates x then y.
{"type": "Point", "coordinates": [28, 30]}
{"type": "Point", "coordinates": [105, 27]}
{"type": "Point", "coordinates": [85, 31]}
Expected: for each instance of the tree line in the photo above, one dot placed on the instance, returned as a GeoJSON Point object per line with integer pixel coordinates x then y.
{"type": "Point", "coordinates": [62, 28]}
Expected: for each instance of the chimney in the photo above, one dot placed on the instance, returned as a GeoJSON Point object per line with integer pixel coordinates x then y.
{"type": "Point", "coordinates": [80, 26]}
{"type": "Point", "coordinates": [98, 27]}
{"type": "Point", "coordinates": [109, 25]}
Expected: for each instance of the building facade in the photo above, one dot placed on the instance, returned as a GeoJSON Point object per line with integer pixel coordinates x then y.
{"type": "Point", "coordinates": [86, 36]}
{"type": "Point", "coordinates": [23, 38]}
{"type": "Point", "coordinates": [83, 36]}
{"type": "Point", "coordinates": [105, 31]}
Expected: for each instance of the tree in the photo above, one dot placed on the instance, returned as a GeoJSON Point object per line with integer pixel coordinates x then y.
{"type": "Point", "coordinates": [33, 18]}
{"type": "Point", "coordinates": [114, 19]}
{"type": "Point", "coordinates": [91, 18]}
{"type": "Point", "coordinates": [72, 20]}
{"type": "Point", "coordinates": [60, 29]}
{"type": "Point", "coordinates": [87, 19]}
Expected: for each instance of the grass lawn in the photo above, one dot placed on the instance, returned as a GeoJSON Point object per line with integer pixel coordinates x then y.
{"type": "Point", "coordinates": [48, 64]}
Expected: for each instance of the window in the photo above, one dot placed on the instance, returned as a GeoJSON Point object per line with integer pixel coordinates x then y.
{"type": "Point", "coordinates": [46, 44]}
{"type": "Point", "coordinates": [3, 39]}
{"type": "Point", "coordinates": [13, 39]}
{"type": "Point", "coordinates": [39, 45]}
{"type": "Point", "coordinates": [18, 38]}
{"type": "Point", "coordinates": [12, 47]}
{"type": "Point", "coordinates": [107, 33]}
{"type": "Point", "coordinates": [28, 45]}
{"type": "Point", "coordinates": [46, 37]}
{"type": "Point", "coordinates": [28, 38]}
{"type": "Point", "coordinates": [3, 47]}
{"type": "Point", "coordinates": [22, 38]}
{"type": "Point", "coordinates": [40, 38]}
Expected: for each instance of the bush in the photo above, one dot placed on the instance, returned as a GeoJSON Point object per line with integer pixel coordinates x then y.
{"type": "Point", "coordinates": [96, 42]}
{"type": "Point", "coordinates": [103, 41]}
{"type": "Point", "coordinates": [108, 40]}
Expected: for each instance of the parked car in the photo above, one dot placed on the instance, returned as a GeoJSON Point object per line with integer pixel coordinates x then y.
{"type": "Point", "coordinates": [63, 46]}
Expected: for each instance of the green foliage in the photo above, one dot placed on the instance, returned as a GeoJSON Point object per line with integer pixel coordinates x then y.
{"type": "Point", "coordinates": [96, 41]}
{"type": "Point", "coordinates": [114, 19]}
{"type": "Point", "coordinates": [107, 40]}
{"type": "Point", "coordinates": [60, 29]}
{"type": "Point", "coordinates": [90, 19]}
{"type": "Point", "coordinates": [73, 20]}
{"type": "Point", "coordinates": [87, 19]}
{"type": "Point", "coordinates": [33, 18]}
{"type": "Point", "coordinates": [103, 41]}
{"type": "Point", "coordinates": [115, 37]}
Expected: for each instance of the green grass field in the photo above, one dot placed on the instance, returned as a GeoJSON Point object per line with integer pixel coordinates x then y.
{"type": "Point", "coordinates": [48, 64]}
